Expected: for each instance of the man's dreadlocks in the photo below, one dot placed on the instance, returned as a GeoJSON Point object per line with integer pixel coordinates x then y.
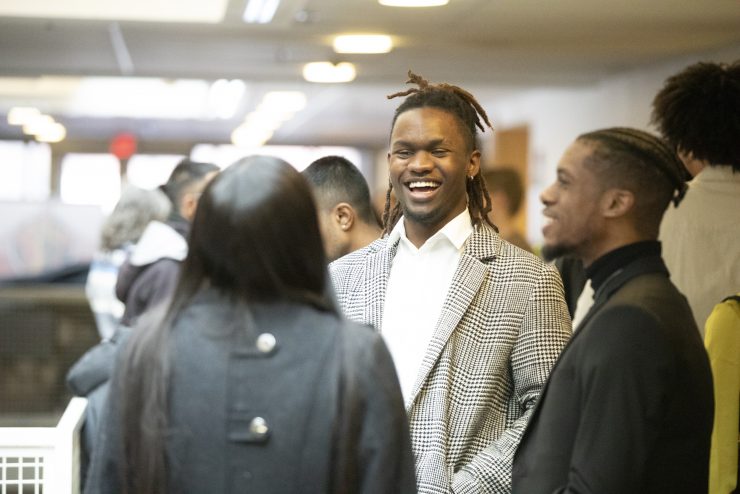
{"type": "Point", "coordinates": [469, 113]}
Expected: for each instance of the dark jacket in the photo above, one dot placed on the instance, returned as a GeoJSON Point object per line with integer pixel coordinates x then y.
{"type": "Point", "coordinates": [261, 410]}
{"type": "Point", "coordinates": [89, 377]}
{"type": "Point", "coordinates": [628, 406]}
{"type": "Point", "coordinates": [149, 277]}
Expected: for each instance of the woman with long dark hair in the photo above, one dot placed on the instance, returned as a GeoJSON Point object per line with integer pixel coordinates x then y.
{"type": "Point", "coordinates": [249, 380]}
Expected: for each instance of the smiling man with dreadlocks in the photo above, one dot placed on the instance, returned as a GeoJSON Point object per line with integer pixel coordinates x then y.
{"type": "Point", "coordinates": [474, 323]}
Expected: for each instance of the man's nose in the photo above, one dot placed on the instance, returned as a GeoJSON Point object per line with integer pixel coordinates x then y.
{"type": "Point", "coordinates": [421, 162]}
{"type": "Point", "coordinates": [547, 195]}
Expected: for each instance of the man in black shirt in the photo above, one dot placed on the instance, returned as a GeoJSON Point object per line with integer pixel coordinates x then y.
{"type": "Point", "coordinates": [628, 406]}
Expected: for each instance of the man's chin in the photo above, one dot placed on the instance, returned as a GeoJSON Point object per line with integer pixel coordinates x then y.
{"type": "Point", "coordinates": [552, 252]}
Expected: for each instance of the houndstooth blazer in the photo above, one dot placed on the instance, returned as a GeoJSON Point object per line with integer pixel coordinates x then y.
{"type": "Point", "coordinates": [503, 324]}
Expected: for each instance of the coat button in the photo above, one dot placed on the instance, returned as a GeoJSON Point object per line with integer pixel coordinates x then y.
{"type": "Point", "coordinates": [266, 342]}
{"type": "Point", "coordinates": [258, 426]}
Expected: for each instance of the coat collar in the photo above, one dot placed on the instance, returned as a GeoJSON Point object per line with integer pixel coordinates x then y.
{"type": "Point", "coordinates": [482, 247]}
{"type": "Point", "coordinates": [638, 267]}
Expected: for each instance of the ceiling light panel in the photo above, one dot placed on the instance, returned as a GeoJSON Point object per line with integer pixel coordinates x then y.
{"type": "Point", "coordinates": [413, 3]}
{"type": "Point", "coordinates": [211, 11]}
{"type": "Point", "coordinates": [124, 97]}
{"type": "Point", "coordinates": [327, 72]}
{"type": "Point", "coordinates": [363, 43]}
{"type": "Point", "coordinates": [260, 11]}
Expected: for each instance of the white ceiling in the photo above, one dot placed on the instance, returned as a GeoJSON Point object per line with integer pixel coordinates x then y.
{"type": "Point", "coordinates": [491, 47]}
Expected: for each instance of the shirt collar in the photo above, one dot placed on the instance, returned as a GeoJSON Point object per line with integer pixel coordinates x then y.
{"type": "Point", "coordinates": [716, 173]}
{"type": "Point", "coordinates": [603, 267]}
{"type": "Point", "coordinates": [457, 231]}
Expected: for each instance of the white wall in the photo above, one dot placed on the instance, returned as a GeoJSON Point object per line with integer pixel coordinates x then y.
{"type": "Point", "coordinates": [556, 116]}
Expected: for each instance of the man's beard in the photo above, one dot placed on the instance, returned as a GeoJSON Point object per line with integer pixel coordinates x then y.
{"type": "Point", "coordinates": [551, 252]}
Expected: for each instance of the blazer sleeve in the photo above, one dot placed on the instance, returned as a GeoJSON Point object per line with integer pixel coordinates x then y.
{"type": "Point", "coordinates": [544, 332]}
{"type": "Point", "coordinates": [385, 459]}
{"type": "Point", "coordinates": [624, 378]}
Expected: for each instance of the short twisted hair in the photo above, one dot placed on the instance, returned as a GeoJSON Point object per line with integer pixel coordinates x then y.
{"type": "Point", "coordinates": [641, 163]}
{"type": "Point", "coordinates": [470, 115]}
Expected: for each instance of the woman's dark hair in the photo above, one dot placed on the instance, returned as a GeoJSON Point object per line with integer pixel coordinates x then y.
{"type": "Point", "coordinates": [698, 111]}
{"type": "Point", "coordinates": [470, 115]}
{"type": "Point", "coordinates": [255, 237]}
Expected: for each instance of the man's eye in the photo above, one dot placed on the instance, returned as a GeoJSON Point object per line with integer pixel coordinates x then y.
{"type": "Point", "coordinates": [403, 153]}
{"type": "Point", "coordinates": [439, 152]}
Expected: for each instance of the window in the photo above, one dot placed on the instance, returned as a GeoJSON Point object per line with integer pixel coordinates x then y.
{"type": "Point", "coordinates": [149, 171]}
{"type": "Point", "coordinates": [92, 179]}
{"type": "Point", "coordinates": [25, 171]}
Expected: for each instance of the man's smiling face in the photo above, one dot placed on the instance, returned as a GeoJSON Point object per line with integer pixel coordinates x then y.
{"type": "Point", "coordinates": [429, 163]}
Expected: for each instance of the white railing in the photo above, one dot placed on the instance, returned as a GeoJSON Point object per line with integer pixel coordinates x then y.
{"type": "Point", "coordinates": [43, 459]}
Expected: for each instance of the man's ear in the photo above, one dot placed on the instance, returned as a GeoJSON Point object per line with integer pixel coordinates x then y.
{"type": "Point", "coordinates": [616, 202]}
{"type": "Point", "coordinates": [188, 204]}
{"type": "Point", "coordinates": [344, 215]}
{"type": "Point", "coordinates": [474, 165]}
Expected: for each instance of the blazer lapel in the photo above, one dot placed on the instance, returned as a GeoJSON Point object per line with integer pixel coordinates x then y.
{"type": "Point", "coordinates": [377, 271]}
{"type": "Point", "coordinates": [467, 280]}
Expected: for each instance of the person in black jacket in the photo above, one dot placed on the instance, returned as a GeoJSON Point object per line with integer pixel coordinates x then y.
{"type": "Point", "coordinates": [149, 275]}
{"type": "Point", "coordinates": [628, 406]}
{"type": "Point", "coordinates": [250, 380]}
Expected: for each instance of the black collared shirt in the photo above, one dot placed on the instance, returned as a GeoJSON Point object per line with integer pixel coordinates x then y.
{"type": "Point", "coordinates": [603, 267]}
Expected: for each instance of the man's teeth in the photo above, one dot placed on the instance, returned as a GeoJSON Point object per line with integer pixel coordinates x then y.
{"type": "Point", "coordinates": [415, 185]}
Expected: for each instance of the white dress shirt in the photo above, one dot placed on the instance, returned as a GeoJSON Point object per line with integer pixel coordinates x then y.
{"type": "Point", "coordinates": [584, 303]}
{"type": "Point", "coordinates": [417, 288]}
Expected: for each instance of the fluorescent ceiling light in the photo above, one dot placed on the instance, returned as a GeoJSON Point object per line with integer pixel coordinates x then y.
{"type": "Point", "coordinates": [21, 115]}
{"type": "Point", "coordinates": [54, 132]}
{"type": "Point", "coordinates": [328, 72]}
{"type": "Point", "coordinates": [260, 11]}
{"type": "Point", "coordinates": [363, 43]}
{"type": "Point", "coordinates": [211, 11]}
{"type": "Point", "coordinates": [37, 124]}
{"type": "Point", "coordinates": [413, 3]}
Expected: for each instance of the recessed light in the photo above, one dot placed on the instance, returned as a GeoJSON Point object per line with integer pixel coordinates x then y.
{"type": "Point", "coordinates": [328, 72]}
{"type": "Point", "coordinates": [21, 115]}
{"type": "Point", "coordinates": [54, 132]}
{"type": "Point", "coordinates": [413, 3]}
{"type": "Point", "coordinates": [260, 11]}
{"type": "Point", "coordinates": [363, 43]}
{"type": "Point", "coordinates": [37, 124]}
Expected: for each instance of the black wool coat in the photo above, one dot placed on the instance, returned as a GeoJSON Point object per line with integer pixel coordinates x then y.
{"type": "Point", "coordinates": [628, 407]}
{"type": "Point", "coordinates": [287, 400]}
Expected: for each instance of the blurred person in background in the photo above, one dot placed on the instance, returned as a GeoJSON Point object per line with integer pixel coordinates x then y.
{"type": "Point", "coordinates": [507, 191]}
{"type": "Point", "coordinates": [250, 380]}
{"type": "Point", "coordinates": [698, 113]}
{"type": "Point", "coordinates": [149, 275]}
{"type": "Point", "coordinates": [722, 341]}
{"type": "Point", "coordinates": [346, 216]}
{"type": "Point", "coordinates": [121, 230]}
